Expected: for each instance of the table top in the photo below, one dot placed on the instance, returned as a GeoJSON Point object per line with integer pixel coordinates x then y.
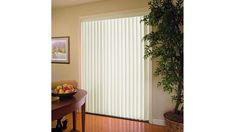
{"type": "Point", "coordinates": [62, 107]}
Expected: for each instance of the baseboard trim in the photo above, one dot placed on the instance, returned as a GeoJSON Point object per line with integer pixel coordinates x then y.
{"type": "Point", "coordinates": [160, 122]}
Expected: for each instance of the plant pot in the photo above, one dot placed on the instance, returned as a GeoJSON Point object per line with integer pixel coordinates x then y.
{"type": "Point", "coordinates": [174, 122]}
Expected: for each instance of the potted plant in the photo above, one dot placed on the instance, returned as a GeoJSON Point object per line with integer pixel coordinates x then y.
{"type": "Point", "coordinates": [166, 45]}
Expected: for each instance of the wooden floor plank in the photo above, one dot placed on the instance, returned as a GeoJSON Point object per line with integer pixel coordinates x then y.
{"type": "Point", "coordinates": [96, 123]}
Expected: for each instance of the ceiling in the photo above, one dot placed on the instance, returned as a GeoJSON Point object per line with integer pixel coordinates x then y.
{"type": "Point", "coordinates": [64, 3]}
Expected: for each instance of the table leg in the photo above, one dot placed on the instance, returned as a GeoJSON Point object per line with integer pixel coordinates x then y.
{"type": "Point", "coordinates": [83, 117]}
{"type": "Point", "coordinates": [74, 120]}
{"type": "Point", "coordinates": [58, 126]}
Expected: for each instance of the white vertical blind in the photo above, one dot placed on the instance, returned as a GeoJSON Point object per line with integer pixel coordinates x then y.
{"type": "Point", "coordinates": [113, 67]}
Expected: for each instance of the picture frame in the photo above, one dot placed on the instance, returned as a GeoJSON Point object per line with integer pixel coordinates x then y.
{"type": "Point", "coordinates": [60, 50]}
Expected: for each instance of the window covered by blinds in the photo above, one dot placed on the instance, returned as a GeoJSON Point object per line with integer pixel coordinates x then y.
{"type": "Point", "coordinates": [113, 67]}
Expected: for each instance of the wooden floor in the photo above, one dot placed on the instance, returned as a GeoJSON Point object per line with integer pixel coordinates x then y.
{"type": "Point", "coordinates": [95, 123]}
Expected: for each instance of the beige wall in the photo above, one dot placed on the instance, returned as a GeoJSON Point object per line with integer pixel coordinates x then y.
{"type": "Point", "coordinates": [161, 101]}
{"type": "Point", "coordinates": [66, 22]}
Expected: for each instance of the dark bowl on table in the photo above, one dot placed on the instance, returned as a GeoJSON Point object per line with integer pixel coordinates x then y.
{"type": "Point", "coordinates": [64, 95]}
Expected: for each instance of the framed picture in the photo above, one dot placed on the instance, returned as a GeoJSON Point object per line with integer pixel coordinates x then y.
{"type": "Point", "coordinates": [60, 50]}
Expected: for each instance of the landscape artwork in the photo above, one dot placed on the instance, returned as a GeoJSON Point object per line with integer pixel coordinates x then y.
{"type": "Point", "coordinates": [60, 50]}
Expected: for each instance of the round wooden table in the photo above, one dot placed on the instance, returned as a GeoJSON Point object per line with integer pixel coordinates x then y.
{"type": "Point", "coordinates": [65, 106]}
